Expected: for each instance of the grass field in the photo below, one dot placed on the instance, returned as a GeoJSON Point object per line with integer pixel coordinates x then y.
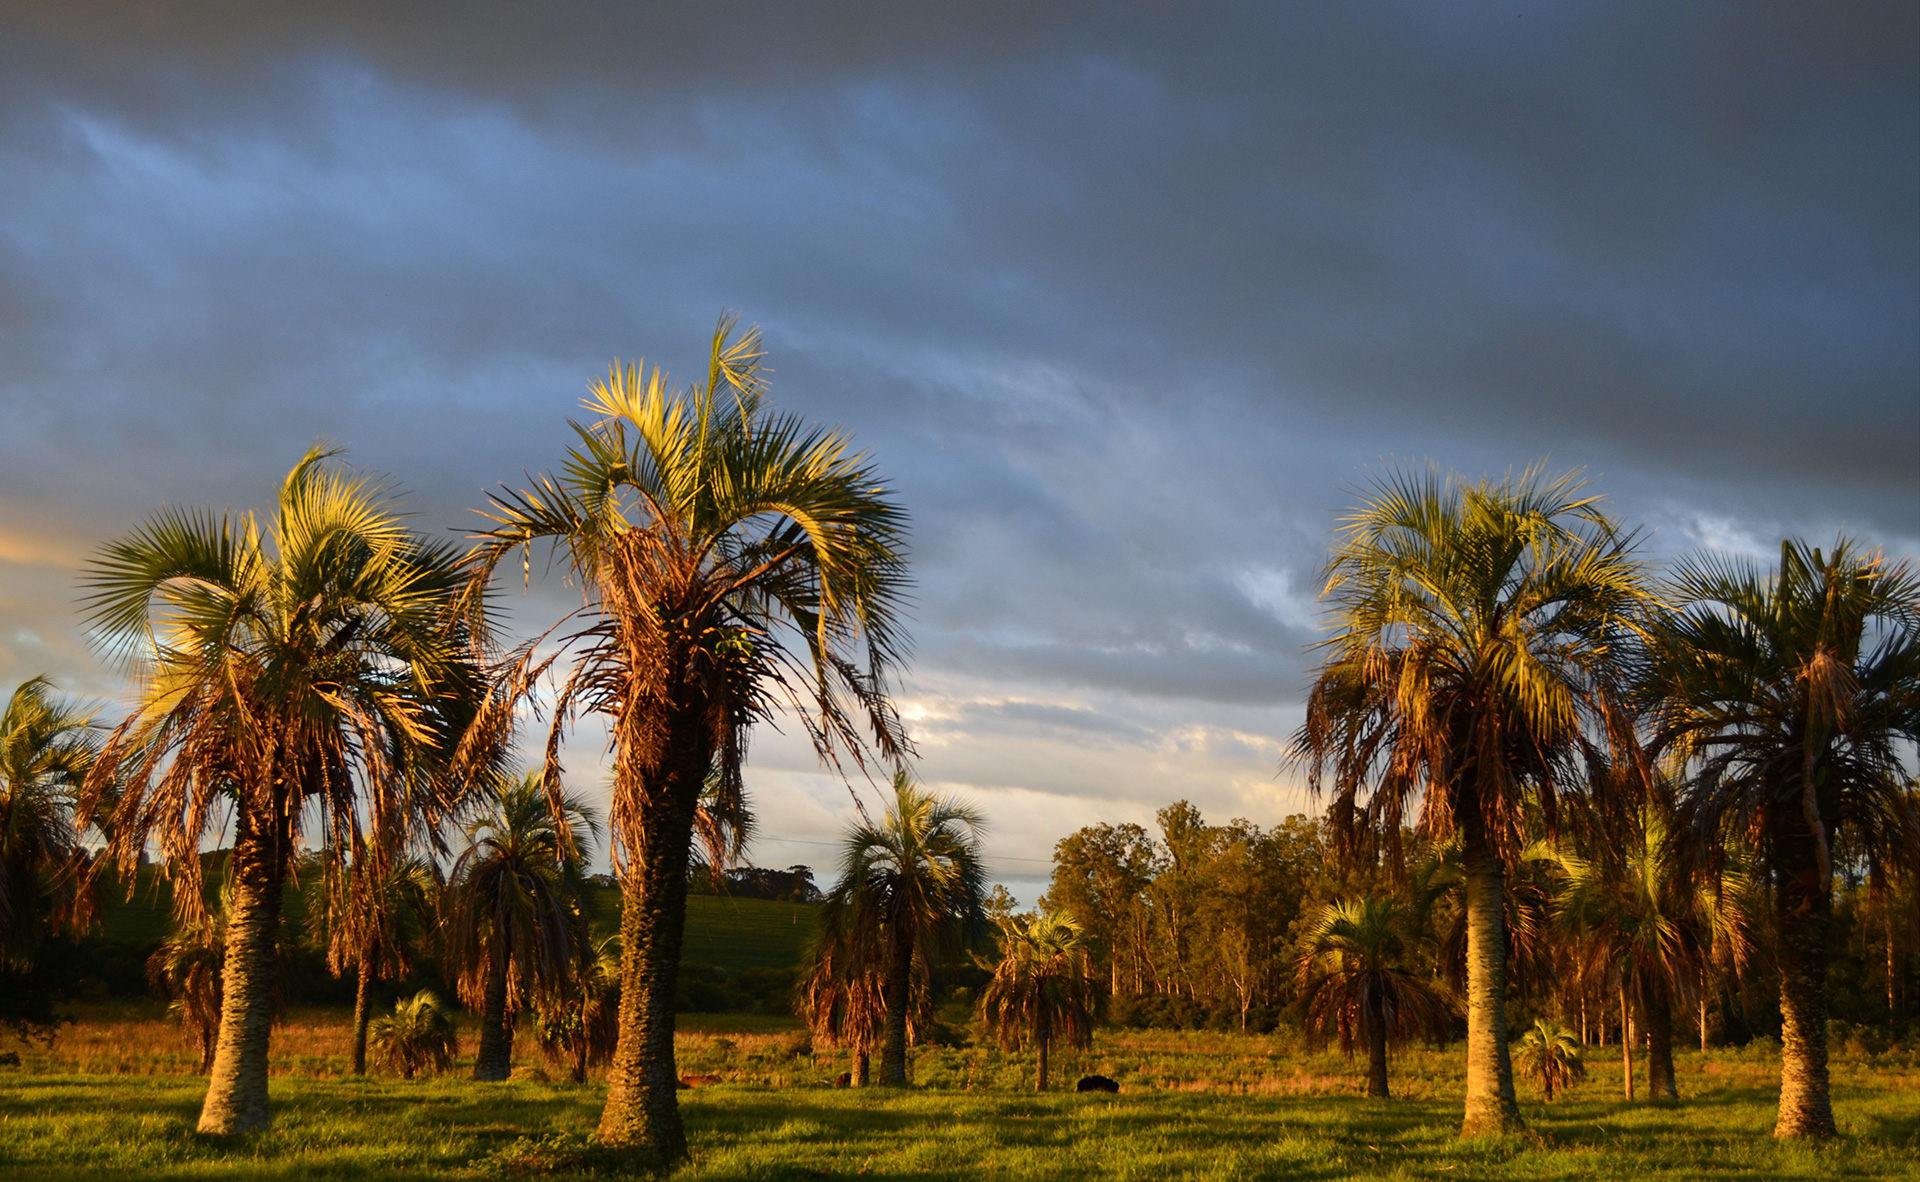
{"type": "Point", "coordinates": [110, 1099]}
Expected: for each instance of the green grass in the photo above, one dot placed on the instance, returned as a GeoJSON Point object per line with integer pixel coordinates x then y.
{"type": "Point", "coordinates": [1194, 1106]}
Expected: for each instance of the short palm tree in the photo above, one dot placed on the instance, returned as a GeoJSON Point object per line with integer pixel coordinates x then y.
{"type": "Point", "coordinates": [842, 992]}
{"type": "Point", "coordinates": [46, 750]}
{"type": "Point", "coordinates": [579, 1023]}
{"type": "Point", "coordinates": [301, 672]}
{"type": "Point", "coordinates": [186, 970]}
{"type": "Point", "coordinates": [731, 558]}
{"type": "Point", "coordinates": [910, 885]}
{"type": "Point", "coordinates": [1354, 983]}
{"type": "Point", "coordinates": [1043, 988]}
{"type": "Point", "coordinates": [1551, 1054]}
{"type": "Point", "coordinates": [1477, 627]}
{"type": "Point", "coordinates": [511, 909]}
{"type": "Point", "coordinates": [1791, 699]}
{"type": "Point", "coordinates": [372, 912]}
{"type": "Point", "coordinates": [417, 1035]}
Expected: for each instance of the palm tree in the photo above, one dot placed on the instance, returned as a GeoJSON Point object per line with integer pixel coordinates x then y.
{"type": "Point", "coordinates": [1476, 631]}
{"type": "Point", "coordinates": [579, 1024]}
{"type": "Point", "coordinates": [730, 558]}
{"type": "Point", "coordinates": [1353, 983]}
{"type": "Point", "coordinates": [1631, 906]}
{"type": "Point", "coordinates": [911, 884]}
{"type": "Point", "coordinates": [304, 671]}
{"type": "Point", "coordinates": [1551, 1054]}
{"type": "Point", "coordinates": [1791, 698]}
{"type": "Point", "coordinates": [512, 909]}
{"type": "Point", "coordinates": [418, 1034]}
{"type": "Point", "coordinates": [371, 912]}
{"type": "Point", "coordinates": [186, 969]}
{"type": "Point", "coordinates": [1042, 988]}
{"type": "Point", "coordinates": [842, 993]}
{"type": "Point", "coordinates": [46, 750]}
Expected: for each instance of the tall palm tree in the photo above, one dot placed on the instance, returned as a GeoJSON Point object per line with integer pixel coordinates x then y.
{"type": "Point", "coordinates": [1476, 630]}
{"type": "Point", "coordinates": [1354, 983]}
{"type": "Point", "coordinates": [912, 883]}
{"type": "Point", "coordinates": [46, 750]}
{"type": "Point", "coordinates": [372, 912]}
{"type": "Point", "coordinates": [1043, 988]}
{"type": "Point", "coordinates": [1791, 698]}
{"type": "Point", "coordinates": [730, 558]}
{"type": "Point", "coordinates": [301, 672]}
{"type": "Point", "coordinates": [513, 909]}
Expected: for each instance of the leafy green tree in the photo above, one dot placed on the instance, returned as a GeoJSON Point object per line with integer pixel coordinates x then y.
{"type": "Point", "coordinates": [908, 886]}
{"type": "Point", "coordinates": [418, 1034]}
{"type": "Point", "coordinates": [1353, 983]}
{"type": "Point", "coordinates": [730, 558]}
{"type": "Point", "coordinates": [1477, 628]}
{"type": "Point", "coordinates": [1043, 989]}
{"type": "Point", "coordinates": [1551, 1054]}
{"type": "Point", "coordinates": [511, 909]}
{"type": "Point", "coordinates": [1101, 875]}
{"type": "Point", "coordinates": [1792, 699]}
{"type": "Point", "coordinates": [301, 672]}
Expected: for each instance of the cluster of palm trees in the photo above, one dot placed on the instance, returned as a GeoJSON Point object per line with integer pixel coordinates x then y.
{"type": "Point", "coordinates": [328, 681]}
{"type": "Point", "coordinates": [327, 688]}
{"type": "Point", "coordinates": [1504, 669]}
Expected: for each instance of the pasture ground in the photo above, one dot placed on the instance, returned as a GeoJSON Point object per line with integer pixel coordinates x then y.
{"type": "Point", "coordinates": [112, 1098]}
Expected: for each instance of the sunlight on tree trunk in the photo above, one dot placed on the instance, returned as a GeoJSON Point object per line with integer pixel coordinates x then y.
{"type": "Point", "coordinates": [1806, 1107]}
{"type": "Point", "coordinates": [862, 1068]}
{"type": "Point", "coordinates": [237, 1088]}
{"type": "Point", "coordinates": [1626, 1043]}
{"type": "Point", "coordinates": [1491, 1105]}
{"type": "Point", "coordinates": [643, 1102]}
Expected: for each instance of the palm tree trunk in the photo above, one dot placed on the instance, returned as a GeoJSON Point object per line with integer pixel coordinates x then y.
{"type": "Point", "coordinates": [1041, 1046]}
{"type": "Point", "coordinates": [643, 1081]}
{"type": "Point", "coordinates": [237, 1084]}
{"type": "Point", "coordinates": [1377, 1058]}
{"type": "Point", "coordinates": [893, 1045]}
{"type": "Point", "coordinates": [362, 1006]}
{"type": "Point", "coordinates": [862, 1068]}
{"type": "Point", "coordinates": [494, 1060]}
{"type": "Point", "coordinates": [1626, 1041]}
{"type": "Point", "coordinates": [1804, 907]}
{"type": "Point", "coordinates": [1703, 1009]}
{"type": "Point", "coordinates": [1491, 1106]}
{"type": "Point", "coordinates": [1659, 1022]}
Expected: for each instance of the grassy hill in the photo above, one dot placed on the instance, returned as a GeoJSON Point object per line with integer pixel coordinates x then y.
{"type": "Point", "coordinates": [740, 954]}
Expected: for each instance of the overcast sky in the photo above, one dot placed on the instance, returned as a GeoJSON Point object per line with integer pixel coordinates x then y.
{"type": "Point", "coordinates": [1125, 300]}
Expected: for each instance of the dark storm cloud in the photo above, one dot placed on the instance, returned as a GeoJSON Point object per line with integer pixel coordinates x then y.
{"type": "Point", "coordinates": [1124, 300]}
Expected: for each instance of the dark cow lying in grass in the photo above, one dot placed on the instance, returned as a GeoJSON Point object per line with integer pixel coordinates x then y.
{"type": "Point", "coordinates": [1096, 1083]}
